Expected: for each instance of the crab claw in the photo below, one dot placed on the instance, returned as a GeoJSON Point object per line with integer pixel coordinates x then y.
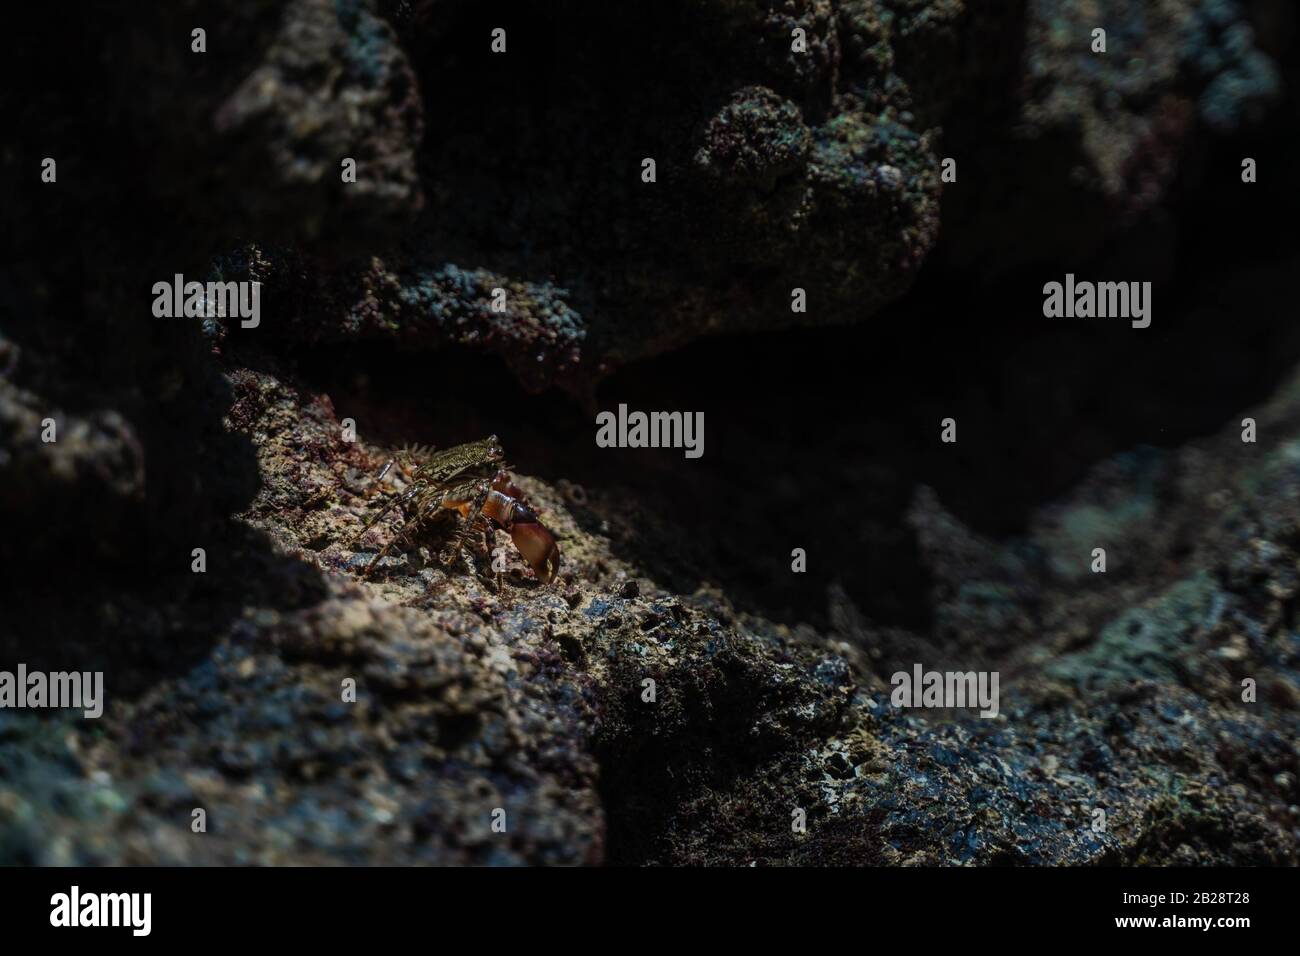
{"type": "Point", "coordinates": [536, 544]}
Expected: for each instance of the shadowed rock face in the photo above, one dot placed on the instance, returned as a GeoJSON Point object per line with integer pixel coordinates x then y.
{"type": "Point", "coordinates": [774, 169]}
{"type": "Point", "coordinates": [796, 145]}
{"type": "Point", "coordinates": [769, 174]}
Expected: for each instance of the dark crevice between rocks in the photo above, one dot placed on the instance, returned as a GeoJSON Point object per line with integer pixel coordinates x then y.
{"type": "Point", "coordinates": [818, 439]}
{"type": "Point", "coordinates": [712, 726]}
{"type": "Point", "coordinates": [553, 117]}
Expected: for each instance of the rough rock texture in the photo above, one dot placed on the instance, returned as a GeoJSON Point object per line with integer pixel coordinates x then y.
{"type": "Point", "coordinates": [776, 168]}
{"type": "Point", "coordinates": [226, 689]}
{"type": "Point", "coordinates": [263, 119]}
{"type": "Point", "coordinates": [1123, 695]}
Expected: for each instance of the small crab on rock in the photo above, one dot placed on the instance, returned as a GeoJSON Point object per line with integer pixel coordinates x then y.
{"type": "Point", "coordinates": [470, 482]}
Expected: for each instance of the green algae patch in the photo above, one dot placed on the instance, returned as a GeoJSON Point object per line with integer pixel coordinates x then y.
{"type": "Point", "coordinates": [1148, 642]}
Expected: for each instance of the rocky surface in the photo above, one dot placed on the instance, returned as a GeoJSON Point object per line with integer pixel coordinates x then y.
{"type": "Point", "coordinates": [227, 689]}
{"type": "Point", "coordinates": [1125, 696]}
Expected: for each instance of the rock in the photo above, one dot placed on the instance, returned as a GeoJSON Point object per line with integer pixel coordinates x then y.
{"type": "Point", "coordinates": [469, 700]}
{"type": "Point", "coordinates": [648, 706]}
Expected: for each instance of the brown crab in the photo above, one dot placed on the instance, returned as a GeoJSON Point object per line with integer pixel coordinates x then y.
{"type": "Point", "coordinates": [470, 481]}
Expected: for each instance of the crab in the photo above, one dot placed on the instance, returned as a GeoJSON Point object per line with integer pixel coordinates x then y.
{"type": "Point", "coordinates": [469, 482]}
